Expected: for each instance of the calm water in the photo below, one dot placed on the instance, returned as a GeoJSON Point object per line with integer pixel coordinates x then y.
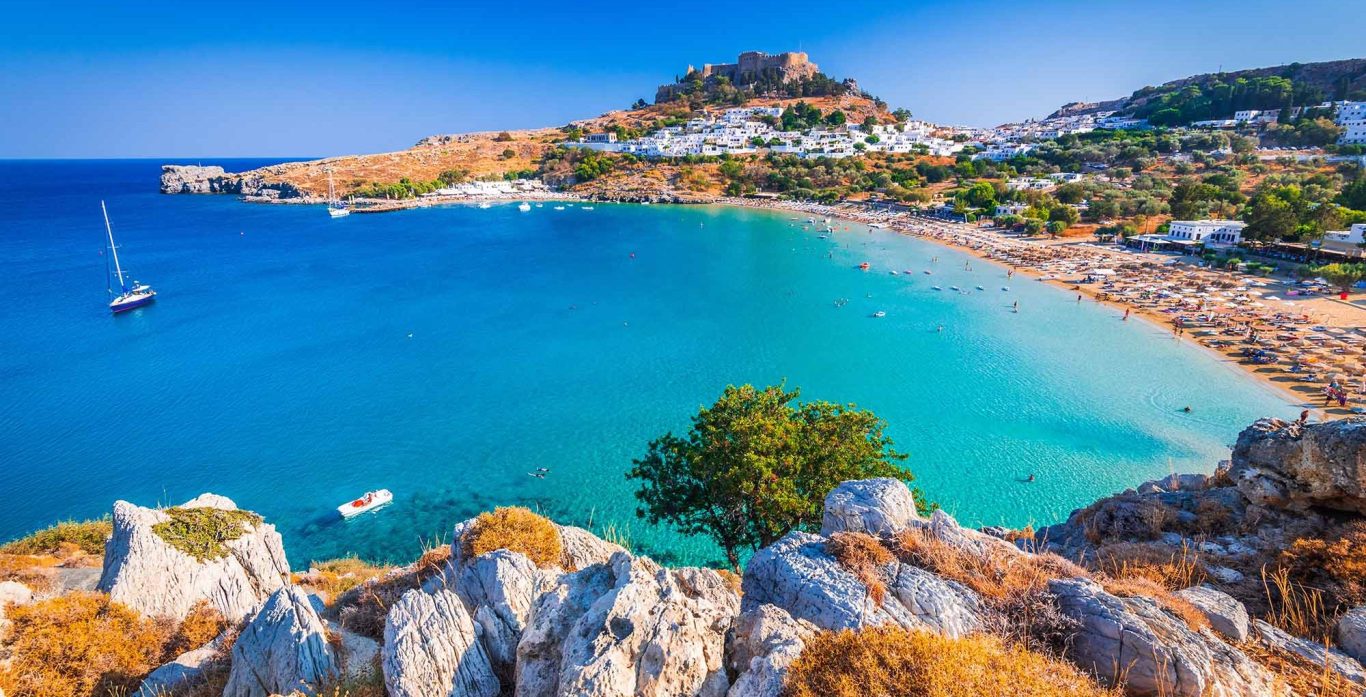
{"type": "Point", "coordinates": [293, 361]}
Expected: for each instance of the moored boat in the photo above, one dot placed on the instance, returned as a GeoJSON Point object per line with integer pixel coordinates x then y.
{"type": "Point", "coordinates": [369, 501]}
{"type": "Point", "coordinates": [129, 298]}
{"type": "Point", "coordinates": [524, 206]}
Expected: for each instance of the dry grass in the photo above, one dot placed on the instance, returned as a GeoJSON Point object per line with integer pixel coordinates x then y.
{"type": "Point", "coordinates": [79, 645]}
{"type": "Point", "coordinates": [1297, 608]}
{"type": "Point", "coordinates": [36, 572]}
{"type": "Point", "coordinates": [1304, 677]}
{"type": "Point", "coordinates": [1336, 562]}
{"type": "Point", "coordinates": [891, 661]}
{"type": "Point", "coordinates": [88, 537]}
{"type": "Point", "coordinates": [199, 627]}
{"type": "Point", "coordinates": [515, 529]}
{"type": "Point", "coordinates": [1170, 570]}
{"type": "Point", "coordinates": [862, 555]}
{"type": "Point", "coordinates": [336, 576]}
{"type": "Point", "coordinates": [732, 579]}
{"type": "Point", "coordinates": [1014, 587]}
{"type": "Point", "coordinates": [1141, 587]}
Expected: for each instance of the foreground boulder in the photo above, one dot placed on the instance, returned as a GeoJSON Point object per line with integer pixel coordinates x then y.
{"type": "Point", "coordinates": [765, 642]}
{"type": "Point", "coordinates": [499, 590]}
{"type": "Point", "coordinates": [1287, 464]}
{"type": "Point", "coordinates": [1351, 633]}
{"type": "Point", "coordinates": [282, 650]}
{"type": "Point", "coordinates": [876, 506]}
{"type": "Point", "coordinates": [1311, 651]}
{"type": "Point", "coordinates": [798, 575]}
{"type": "Point", "coordinates": [630, 627]}
{"type": "Point", "coordinates": [183, 670]}
{"type": "Point", "coordinates": [1225, 614]}
{"type": "Point", "coordinates": [432, 649]}
{"type": "Point", "coordinates": [149, 574]}
{"type": "Point", "coordinates": [1153, 653]}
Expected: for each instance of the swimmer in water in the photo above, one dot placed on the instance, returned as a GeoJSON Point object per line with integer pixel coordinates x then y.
{"type": "Point", "coordinates": [1187, 410]}
{"type": "Point", "coordinates": [1031, 477]}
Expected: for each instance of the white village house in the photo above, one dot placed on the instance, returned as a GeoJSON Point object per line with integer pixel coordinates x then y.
{"type": "Point", "coordinates": [1211, 233]}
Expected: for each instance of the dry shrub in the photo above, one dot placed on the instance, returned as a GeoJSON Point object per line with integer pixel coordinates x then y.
{"type": "Point", "coordinates": [78, 645]}
{"type": "Point", "coordinates": [1013, 586]}
{"type": "Point", "coordinates": [515, 529]}
{"type": "Point", "coordinates": [337, 576]}
{"type": "Point", "coordinates": [1335, 562]}
{"type": "Point", "coordinates": [1212, 517]}
{"type": "Point", "coordinates": [732, 579]}
{"type": "Point", "coordinates": [1297, 608]}
{"type": "Point", "coordinates": [1140, 587]}
{"type": "Point", "coordinates": [87, 537]}
{"type": "Point", "coordinates": [1170, 570]}
{"type": "Point", "coordinates": [200, 626]}
{"type": "Point", "coordinates": [889, 661]}
{"type": "Point", "coordinates": [860, 554]}
{"type": "Point", "coordinates": [1304, 677]}
{"type": "Point", "coordinates": [365, 683]}
{"type": "Point", "coordinates": [1025, 533]}
{"type": "Point", "coordinates": [36, 572]}
{"type": "Point", "coordinates": [433, 561]}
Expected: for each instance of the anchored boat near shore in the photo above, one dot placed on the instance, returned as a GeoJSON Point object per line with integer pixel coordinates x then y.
{"type": "Point", "coordinates": [128, 298]}
{"type": "Point", "coordinates": [367, 502]}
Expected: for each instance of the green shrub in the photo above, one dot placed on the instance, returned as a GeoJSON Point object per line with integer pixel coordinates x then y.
{"type": "Point", "coordinates": [89, 536]}
{"type": "Point", "coordinates": [201, 532]}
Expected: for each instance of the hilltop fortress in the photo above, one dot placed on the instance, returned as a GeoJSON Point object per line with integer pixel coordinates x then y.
{"type": "Point", "coordinates": [788, 66]}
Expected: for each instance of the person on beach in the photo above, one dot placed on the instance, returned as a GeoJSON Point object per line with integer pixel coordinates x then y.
{"type": "Point", "coordinates": [1126, 314]}
{"type": "Point", "coordinates": [1304, 417]}
{"type": "Point", "coordinates": [1079, 297]}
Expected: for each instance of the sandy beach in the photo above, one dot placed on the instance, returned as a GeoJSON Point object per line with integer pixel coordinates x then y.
{"type": "Point", "coordinates": [1297, 344]}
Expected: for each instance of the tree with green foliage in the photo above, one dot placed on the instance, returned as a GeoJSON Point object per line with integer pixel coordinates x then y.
{"type": "Point", "coordinates": [836, 118]}
{"type": "Point", "coordinates": [755, 466]}
{"type": "Point", "coordinates": [1344, 276]}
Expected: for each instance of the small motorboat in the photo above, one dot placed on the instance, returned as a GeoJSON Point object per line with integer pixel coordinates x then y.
{"type": "Point", "coordinates": [1005, 287]}
{"type": "Point", "coordinates": [367, 502]}
{"type": "Point", "coordinates": [936, 288]}
{"type": "Point", "coordinates": [559, 208]}
{"type": "Point", "coordinates": [524, 206]}
{"type": "Point", "coordinates": [586, 208]}
{"type": "Point", "coordinates": [980, 288]}
{"type": "Point", "coordinates": [928, 272]}
{"type": "Point", "coordinates": [953, 287]}
{"type": "Point", "coordinates": [877, 226]}
{"type": "Point", "coordinates": [865, 266]}
{"type": "Point", "coordinates": [485, 204]}
{"type": "Point", "coordinates": [879, 313]}
{"type": "Point", "coordinates": [894, 273]}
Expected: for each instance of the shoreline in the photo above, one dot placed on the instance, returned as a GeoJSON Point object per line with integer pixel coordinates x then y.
{"type": "Point", "coordinates": [920, 228]}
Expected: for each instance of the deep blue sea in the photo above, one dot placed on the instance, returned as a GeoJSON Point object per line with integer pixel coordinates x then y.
{"type": "Point", "coordinates": [292, 361]}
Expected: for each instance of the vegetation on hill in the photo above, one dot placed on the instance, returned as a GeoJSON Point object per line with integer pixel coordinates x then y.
{"type": "Point", "coordinates": [1219, 95]}
{"type": "Point", "coordinates": [515, 529]}
{"type": "Point", "coordinates": [202, 532]}
{"type": "Point", "coordinates": [718, 90]}
{"type": "Point", "coordinates": [87, 536]}
{"type": "Point", "coordinates": [755, 465]}
{"type": "Point", "coordinates": [899, 662]}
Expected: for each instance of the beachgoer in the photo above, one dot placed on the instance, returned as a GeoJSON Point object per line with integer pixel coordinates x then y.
{"type": "Point", "coordinates": [1031, 477]}
{"type": "Point", "coordinates": [1187, 410]}
{"type": "Point", "coordinates": [1126, 314]}
{"type": "Point", "coordinates": [1304, 417]}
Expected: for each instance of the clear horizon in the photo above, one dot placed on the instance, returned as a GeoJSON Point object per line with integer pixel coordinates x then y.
{"type": "Point", "coordinates": [102, 82]}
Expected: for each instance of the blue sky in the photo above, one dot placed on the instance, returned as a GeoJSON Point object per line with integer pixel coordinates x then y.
{"type": "Point", "coordinates": [164, 79]}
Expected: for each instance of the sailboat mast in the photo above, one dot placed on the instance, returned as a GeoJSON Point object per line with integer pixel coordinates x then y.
{"type": "Point", "coordinates": [113, 250]}
{"type": "Point", "coordinates": [331, 191]}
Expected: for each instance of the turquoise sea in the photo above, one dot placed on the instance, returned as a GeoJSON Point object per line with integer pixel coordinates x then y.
{"type": "Point", "coordinates": [292, 361]}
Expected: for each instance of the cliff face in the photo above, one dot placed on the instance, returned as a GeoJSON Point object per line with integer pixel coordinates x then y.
{"type": "Point", "coordinates": [261, 183]}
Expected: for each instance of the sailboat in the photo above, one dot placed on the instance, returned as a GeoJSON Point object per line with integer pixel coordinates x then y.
{"type": "Point", "coordinates": [128, 298]}
{"type": "Point", "coordinates": [334, 207]}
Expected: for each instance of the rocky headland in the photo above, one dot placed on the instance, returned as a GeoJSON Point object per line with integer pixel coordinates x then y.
{"type": "Point", "coordinates": [1247, 582]}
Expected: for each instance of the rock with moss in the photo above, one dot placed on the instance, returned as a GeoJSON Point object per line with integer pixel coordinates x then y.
{"type": "Point", "coordinates": [160, 562]}
{"type": "Point", "coordinates": [282, 650]}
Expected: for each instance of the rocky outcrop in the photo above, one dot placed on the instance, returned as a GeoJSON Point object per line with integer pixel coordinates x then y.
{"type": "Point", "coordinates": [1288, 465]}
{"type": "Point", "coordinates": [283, 649]}
{"type": "Point", "coordinates": [1154, 653]}
{"type": "Point", "coordinates": [12, 594]}
{"type": "Point", "coordinates": [1312, 651]}
{"type": "Point", "coordinates": [628, 627]}
{"type": "Point", "coordinates": [1226, 615]}
{"type": "Point", "coordinates": [196, 179]}
{"type": "Point", "coordinates": [499, 590]}
{"type": "Point", "coordinates": [583, 549]}
{"type": "Point", "coordinates": [766, 640]}
{"type": "Point", "coordinates": [144, 572]}
{"type": "Point", "coordinates": [432, 649]}
{"type": "Point", "coordinates": [798, 575]}
{"type": "Point", "coordinates": [876, 506]}
{"type": "Point", "coordinates": [1351, 634]}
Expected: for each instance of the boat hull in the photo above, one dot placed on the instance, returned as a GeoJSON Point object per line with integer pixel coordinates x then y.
{"type": "Point", "coordinates": [131, 304]}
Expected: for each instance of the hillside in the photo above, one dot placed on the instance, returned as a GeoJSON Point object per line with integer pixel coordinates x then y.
{"type": "Point", "coordinates": [1296, 84]}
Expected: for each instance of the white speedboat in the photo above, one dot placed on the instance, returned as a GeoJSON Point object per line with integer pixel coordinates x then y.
{"type": "Point", "coordinates": [367, 502]}
{"type": "Point", "coordinates": [524, 206]}
{"type": "Point", "coordinates": [586, 208]}
{"type": "Point", "coordinates": [879, 313]}
{"type": "Point", "coordinates": [484, 204]}
{"type": "Point", "coordinates": [559, 208]}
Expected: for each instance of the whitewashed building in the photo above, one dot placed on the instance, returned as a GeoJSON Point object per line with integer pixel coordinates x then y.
{"type": "Point", "coordinates": [1351, 116]}
{"type": "Point", "coordinates": [1211, 233]}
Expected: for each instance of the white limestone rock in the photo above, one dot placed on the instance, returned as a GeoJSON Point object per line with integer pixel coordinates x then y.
{"type": "Point", "coordinates": [499, 590]}
{"type": "Point", "coordinates": [628, 628]}
{"type": "Point", "coordinates": [183, 670]}
{"type": "Point", "coordinates": [1351, 633]}
{"type": "Point", "coordinates": [798, 575]}
{"type": "Point", "coordinates": [432, 649]}
{"type": "Point", "coordinates": [145, 573]}
{"type": "Point", "coordinates": [1155, 653]}
{"type": "Point", "coordinates": [283, 649]}
{"type": "Point", "coordinates": [12, 593]}
{"type": "Point", "coordinates": [878, 507]}
{"type": "Point", "coordinates": [1225, 614]}
{"type": "Point", "coordinates": [1311, 651]}
{"type": "Point", "coordinates": [765, 642]}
